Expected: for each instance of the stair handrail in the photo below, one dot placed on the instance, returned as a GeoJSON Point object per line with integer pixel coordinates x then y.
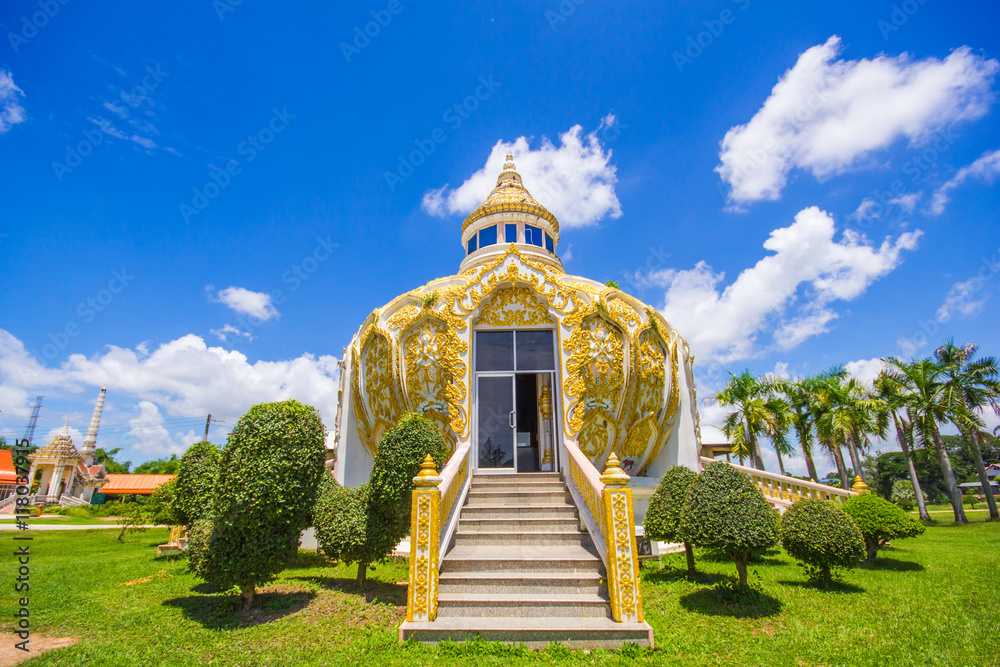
{"type": "Point", "coordinates": [608, 500]}
{"type": "Point", "coordinates": [586, 487]}
{"type": "Point", "coordinates": [454, 487]}
{"type": "Point", "coordinates": [783, 490]}
{"type": "Point", "coordinates": [436, 500]}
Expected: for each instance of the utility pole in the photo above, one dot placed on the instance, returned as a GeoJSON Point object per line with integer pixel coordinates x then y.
{"type": "Point", "coordinates": [208, 422]}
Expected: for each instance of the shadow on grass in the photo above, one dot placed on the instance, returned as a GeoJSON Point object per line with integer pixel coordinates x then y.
{"type": "Point", "coordinates": [713, 602]}
{"type": "Point", "coordinates": [669, 575]}
{"type": "Point", "coordinates": [770, 557]}
{"type": "Point", "coordinates": [825, 587]}
{"type": "Point", "coordinates": [373, 591]}
{"type": "Point", "coordinates": [892, 565]}
{"type": "Point", "coordinates": [225, 612]}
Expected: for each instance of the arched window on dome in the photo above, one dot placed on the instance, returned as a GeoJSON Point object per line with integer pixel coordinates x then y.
{"type": "Point", "coordinates": [487, 236]}
{"type": "Point", "coordinates": [550, 244]}
{"type": "Point", "coordinates": [510, 233]}
{"type": "Point", "coordinates": [472, 245]}
{"type": "Point", "coordinates": [533, 235]}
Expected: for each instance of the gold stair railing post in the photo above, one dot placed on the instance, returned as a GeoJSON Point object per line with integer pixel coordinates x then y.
{"type": "Point", "coordinates": [425, 538]}
{"type": "Point", "coordinates": [619, 536]}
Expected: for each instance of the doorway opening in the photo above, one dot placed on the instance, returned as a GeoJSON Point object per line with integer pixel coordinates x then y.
{"type": "Point", "coordinates": [515, 376]}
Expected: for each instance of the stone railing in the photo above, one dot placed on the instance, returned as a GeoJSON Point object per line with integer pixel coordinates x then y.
{"type": "Point", "coordinates": [437, 502]}
{"type": "Point", "coordinates": [605, 505]}
{"type": "Point", "coordinates": [71, 501]}
{"type": "Point", "coordinates": [782, 491]}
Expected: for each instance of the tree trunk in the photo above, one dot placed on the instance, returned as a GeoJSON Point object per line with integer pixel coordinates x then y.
{"type": "Point", "coordinates": [871, 549]}
{"type": "Point", "coordinates": [977, 459]}
{"type": "Point", "coordinates": [758, 459]}
{"type": "Point", "coordinates": [741, 569]}
{"type": "Point", "coordinates": [689, 552]}
{"type": "Point", "coordinates": [948, 474]}
{"type": "Point", "coordinates": [855, 461]}
{"type": "Point", "coordinates": [247, 593]}
{"type": "Point", "coordinates": [810, 465]}
{"type": "Point", "coordinates": [838, 456]}
{"type": "Point", "coordinates": [781, 465]}
{"type": "Point", "coordinates": [362, 574]}
{"type": "Point", "coordinates": [912, 468]}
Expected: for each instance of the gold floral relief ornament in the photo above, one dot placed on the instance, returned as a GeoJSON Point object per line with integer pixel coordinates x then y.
{"type": "Point", "coordinates": [595, 370]}
{"type": "Point", "coordinates": [376, 405]}
{"type": "Point", "coordinates": [434, 371]}
{"type": "Point", "coordinates": [514, 307]}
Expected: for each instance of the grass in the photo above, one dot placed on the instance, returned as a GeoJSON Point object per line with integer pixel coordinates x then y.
{"type": "Point", "coordinates": [931, 600]}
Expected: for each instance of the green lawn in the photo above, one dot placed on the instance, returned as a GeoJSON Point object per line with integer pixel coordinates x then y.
{"type": "Point", "coordinates": [932, 600]}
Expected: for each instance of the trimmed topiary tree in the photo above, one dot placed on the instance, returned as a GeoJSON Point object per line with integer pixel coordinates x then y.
{"type": "Point", "coordinates": [822, 536]}
{"type": "Point", "coordinates": [666, 509]}
{"type": "Point", "coordinates": [268, 478]}
{"type": "Point", "coordinates": [724, 510]}
{"type": "Point", "coordinates": [880, 521]}
{"type": "Point", "coordinates": [195, 482]}
{"type": "Point", "coordinates": [364, 525]}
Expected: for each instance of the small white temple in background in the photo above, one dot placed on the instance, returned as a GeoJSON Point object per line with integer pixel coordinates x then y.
{"type": "Point", "coordinates": [69, 476]}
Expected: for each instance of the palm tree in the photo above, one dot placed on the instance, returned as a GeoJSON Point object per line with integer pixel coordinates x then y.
{"type": "Point", "coordinates": [924, 385]}
{"type": "Point", "coordinates": [972, 384]}
{"type": "Point", "coordinates": [758, 412]}
{"type": "Point", "coordinates": [846, 415]}
{"type": "Point", "coordinates": [894, 404]}
{"type": "Point", "coordinates": [799, 395]}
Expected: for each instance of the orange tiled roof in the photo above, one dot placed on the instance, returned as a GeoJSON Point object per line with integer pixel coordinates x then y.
{"type": "Point", "coordinates": [7, 473]}
{"type": "Point", "coordinates": [140, 484]}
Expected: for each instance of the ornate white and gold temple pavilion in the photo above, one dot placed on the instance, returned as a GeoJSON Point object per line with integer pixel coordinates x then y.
{"type": "Point", "coordinates": [559, 396]}
{"type": "Point", "coordinates": [514, 355]}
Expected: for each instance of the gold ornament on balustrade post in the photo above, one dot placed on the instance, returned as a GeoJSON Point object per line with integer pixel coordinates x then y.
{"type": "Point", "coordinates": [619, 536]}
{"type": "Point", "coordinates": [425, 535]}
{"type": "Point", "coordinates": [859, 486]}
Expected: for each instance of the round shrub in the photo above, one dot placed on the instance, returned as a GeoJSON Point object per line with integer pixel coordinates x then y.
{"type": "Point", "coordinates": [364, 525]}
{"type": "Point", "coordinates": [195, 482]}
{"type": "Point", "coordinates": [666, 508]}
{"type": "Point", "coordinates": [880, 521]}
{"type": "Point", "coordinates": [822, 536]}
{"type": "Point", "coordinates": [162, 505]}
{"type": "Point", "coordinates": [724, 510]}
{"type": "Point", "coordinates": [340, 520]}
{"type": "Point", "coordinates": [270, 470]}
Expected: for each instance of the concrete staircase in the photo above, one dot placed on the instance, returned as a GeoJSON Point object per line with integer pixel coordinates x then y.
{"type": "Point", "coordinates": [521, 570]}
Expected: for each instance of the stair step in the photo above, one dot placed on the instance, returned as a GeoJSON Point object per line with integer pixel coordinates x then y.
{"type": "Point", "coordinates": [520, 524]}
{"type": "Point", "coordinates": [523, 604]}
{"type": "Point", "coordinates": [514, 512]}
{"type": "Point", "coordinates": [511, 538]}
{"type": "Point", "coordinates": [522, 582]}
{"type": "Point", "coordinates": [520, 558]}
{"type": "Point", "coordinates": [534, 632]}
{"type": "Point", "coordinates": [517, 476]}
{"type": "Point", "coordinates": [506, 497]}
{"type": "Point", "coordinates": [534, 485]}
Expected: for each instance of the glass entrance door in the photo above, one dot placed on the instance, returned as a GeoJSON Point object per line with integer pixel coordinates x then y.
{"type": "Point", "coordinates": [495, 414]}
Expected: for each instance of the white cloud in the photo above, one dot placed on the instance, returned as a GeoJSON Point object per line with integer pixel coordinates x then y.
{"type": "Point", "coordinates": [866, 209]}
{"type": "Point", "coordinates": [149, 434]}
{"type": "Point", "coordinates": [221, 334]}
{"type": "Point", "coordinates": [826, 115]}
{"type": "Point", "coordinates": [961, 299]}
{"type": "Point", "coordinates": [907, 202]}
{"type": "Point", "coordinates": [180, 378]}
{"type": "Point", "coordinates": [11, 111]}
{"type": "Point", "coordinates": [574, 180]}
{"type": "Point", "coordinates": [865, 370]}
{"type": "Point", "coordinates": [788, 292]}
{"type": "Point", "coordinates": [246, 302]}
{"type": "Point", "coordinates": [985, 168]}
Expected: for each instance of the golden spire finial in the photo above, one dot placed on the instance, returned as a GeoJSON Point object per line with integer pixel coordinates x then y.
{"type": "Point", "coordinates": [428, 473]}
{"type": "Point", "coordinates": [613, 475]}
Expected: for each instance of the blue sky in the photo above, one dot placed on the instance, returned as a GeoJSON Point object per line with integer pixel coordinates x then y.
{"type": "Point", "coordinates": [197, 212]}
